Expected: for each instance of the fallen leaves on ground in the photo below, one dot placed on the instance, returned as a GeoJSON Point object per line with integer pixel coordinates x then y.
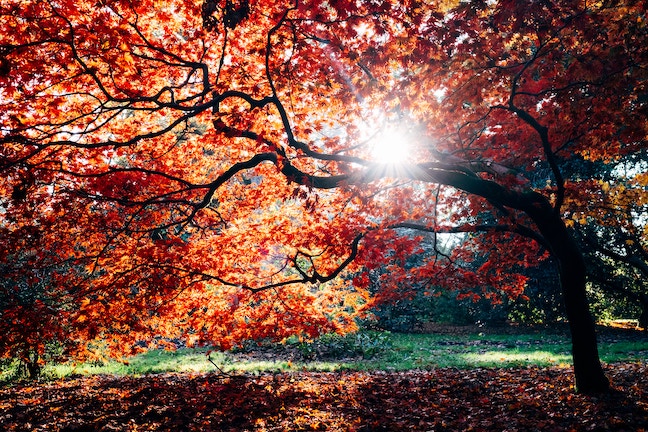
{"type": "Point", "coordinates": [523, 399]}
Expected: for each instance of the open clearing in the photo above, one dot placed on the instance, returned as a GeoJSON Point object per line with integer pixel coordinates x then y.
{"type": "Point", "coordinates": [440, 347]}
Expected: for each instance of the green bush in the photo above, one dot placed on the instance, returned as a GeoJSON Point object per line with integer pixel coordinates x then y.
{"type": "Point", "coordinates": [364, 344]}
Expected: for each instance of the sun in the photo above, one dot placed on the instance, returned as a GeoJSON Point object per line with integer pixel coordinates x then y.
{"type": "Point", "coordinates": [389, 138]}
{"type": "Point", "coordinates": [390, 145]}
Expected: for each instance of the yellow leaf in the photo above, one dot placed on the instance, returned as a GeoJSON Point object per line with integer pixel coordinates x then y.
{"type": "Point", "coordinates": [129, 58]}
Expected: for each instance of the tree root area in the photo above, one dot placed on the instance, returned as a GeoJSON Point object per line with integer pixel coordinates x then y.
{"type": "Point", "coordinates": [522, 399]}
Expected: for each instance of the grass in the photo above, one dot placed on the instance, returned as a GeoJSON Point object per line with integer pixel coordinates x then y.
{"type": "Point", "coordinates": [365, 351]}
{"type": "Point", "coordinates": [423, 351]}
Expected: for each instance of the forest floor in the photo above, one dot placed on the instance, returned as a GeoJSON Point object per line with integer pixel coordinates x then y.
{"type": "Point", "coordinates": [441, 399]}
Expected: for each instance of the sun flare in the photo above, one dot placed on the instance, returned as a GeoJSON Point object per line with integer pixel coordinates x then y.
{"type": "Point", "coordinates": [390, 146]}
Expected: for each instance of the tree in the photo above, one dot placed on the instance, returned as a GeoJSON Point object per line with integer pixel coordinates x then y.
{"type": "Point", "coordinates": [609, 217]}
{"type": "Point", "coordinates": [214, 168]}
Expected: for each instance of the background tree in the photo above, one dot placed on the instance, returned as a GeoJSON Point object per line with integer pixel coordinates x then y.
{"type": "Point", "coordinates": [214, 166]}
{"type": "Point", "coordinates": [609, 216]}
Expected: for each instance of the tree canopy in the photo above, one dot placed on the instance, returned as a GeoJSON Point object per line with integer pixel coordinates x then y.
{"type": "Point", "coordinates": [222, 170]}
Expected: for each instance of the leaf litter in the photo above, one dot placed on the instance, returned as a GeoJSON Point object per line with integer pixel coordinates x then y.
{"type": "Point", "coordinates": [481, 399]}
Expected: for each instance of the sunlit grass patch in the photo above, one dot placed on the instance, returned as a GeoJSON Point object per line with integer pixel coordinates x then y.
{"type": "Point", "coordinates": [365, 351]}
{"type": "Point", "coordinates": [154, 361]}
{"type": "Point", "coordinates": [189, 360]}
{"type": "Point", "coordinates": [513, 359]}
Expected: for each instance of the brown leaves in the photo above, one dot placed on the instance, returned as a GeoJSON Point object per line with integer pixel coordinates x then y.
{"type": "Point", "coordinates": [444, 399]}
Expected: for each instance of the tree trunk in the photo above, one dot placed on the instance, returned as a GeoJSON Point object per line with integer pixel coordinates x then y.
{"type": "Point", "coordinates": [588, 372]}
{"type": "Point", "coordinates": [33, 369]}
{"type": "Point", "coordinates": [643, 318]}
{"type": "Point", "coordinates": [29, 365]}
{"type": "Point", "coordinates": [587, 366]}
{"type": "Point", "coordinates": [564, 248]}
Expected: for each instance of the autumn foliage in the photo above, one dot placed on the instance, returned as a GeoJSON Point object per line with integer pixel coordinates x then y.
{"type": "Point", "coordinates": [206, 170]}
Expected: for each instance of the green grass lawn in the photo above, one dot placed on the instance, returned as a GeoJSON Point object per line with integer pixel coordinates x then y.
{"type": "Point", "coordinates": [367, 351]}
